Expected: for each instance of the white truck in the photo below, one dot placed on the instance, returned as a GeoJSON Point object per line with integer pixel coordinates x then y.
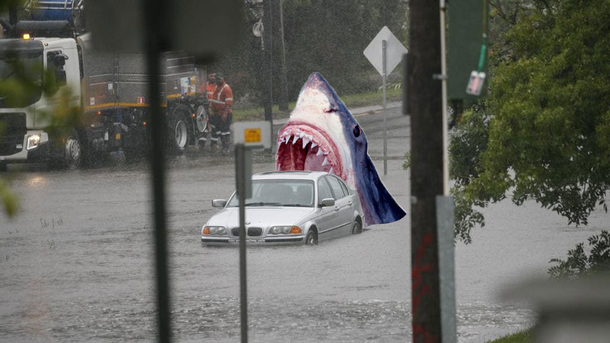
{"type": "Point", "coordinates": [109, 89]}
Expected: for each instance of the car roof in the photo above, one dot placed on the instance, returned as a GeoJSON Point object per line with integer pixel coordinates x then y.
{"type": "Point", "coordinates": [289, 175]}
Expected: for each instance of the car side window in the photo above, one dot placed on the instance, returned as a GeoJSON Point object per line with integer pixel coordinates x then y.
{"type": "Point", "coordinates": [336, 187]}
{"type": "Point", "coordinates": [323, 190]}
{"type": "Point", "coordinates": [345, 188]}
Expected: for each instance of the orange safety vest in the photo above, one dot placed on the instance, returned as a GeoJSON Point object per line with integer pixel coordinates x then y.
{"type": "Point", "coordinates": [222, 97]}
{"type": "Point", "coordinates": [210, 88]}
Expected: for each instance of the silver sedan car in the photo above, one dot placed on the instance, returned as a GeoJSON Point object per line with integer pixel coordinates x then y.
{"type": "Point", "coordinates": [288, 207]}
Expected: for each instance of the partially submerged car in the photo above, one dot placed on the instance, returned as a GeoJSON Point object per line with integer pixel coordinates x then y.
{"type": "Point", "coordinates": [288, 207]}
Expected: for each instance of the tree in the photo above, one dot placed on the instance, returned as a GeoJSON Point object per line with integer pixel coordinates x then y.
{"type": "Point", "coordinates": [578, 264]}
{"type": "Point", "coordinates": [544, 131]}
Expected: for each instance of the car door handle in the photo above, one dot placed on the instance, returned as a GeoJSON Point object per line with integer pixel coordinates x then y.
{"type": "Point", "coordinates": [336, 208]}
{"type": "Point", "coordinates": [349, 203]}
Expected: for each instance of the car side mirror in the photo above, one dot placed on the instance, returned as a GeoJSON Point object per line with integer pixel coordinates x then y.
{"type": "Point", "coordinates": [219, 203]}
{"type": "Point", "coordinates": [327, 202]}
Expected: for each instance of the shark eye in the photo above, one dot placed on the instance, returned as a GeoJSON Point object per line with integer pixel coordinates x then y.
{"type": "Point", "coordinates": [356, 130]}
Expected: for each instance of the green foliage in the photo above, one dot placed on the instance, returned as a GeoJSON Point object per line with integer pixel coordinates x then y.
{"type": "Point", "coordinates": [544, 133]}
{"type": "Point", "coordinates": [519, 337]}
{"type": "Point", "coordinates": [8, 199]}
{"type": "Point", "coordinates": [468, 141]}
{"type": "Point", "coordinates": [406, 164]}
{"type": "Point", "coordinates": [466, 217]}
{"type": "Point", "coordinates": [578, 264]}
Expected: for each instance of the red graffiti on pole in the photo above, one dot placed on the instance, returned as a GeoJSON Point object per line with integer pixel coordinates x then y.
{"type": "Point", "coordinates": [419, 290]}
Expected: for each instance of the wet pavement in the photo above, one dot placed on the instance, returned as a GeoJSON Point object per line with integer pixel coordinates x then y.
{"type": "Point", "coordinates": [76, 263]}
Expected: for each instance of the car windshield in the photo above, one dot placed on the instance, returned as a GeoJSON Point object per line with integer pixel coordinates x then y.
{"type": "Point", "coordinates": [21, 66]}
{"type": "Point", "coordinates": [290, 193]}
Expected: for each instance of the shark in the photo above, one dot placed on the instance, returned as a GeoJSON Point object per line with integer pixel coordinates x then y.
{"type": "Point", "coordinates": [322, 135]}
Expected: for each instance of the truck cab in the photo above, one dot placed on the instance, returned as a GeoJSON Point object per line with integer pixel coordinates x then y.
{"type": "Point", "coordinates": [26, 113]}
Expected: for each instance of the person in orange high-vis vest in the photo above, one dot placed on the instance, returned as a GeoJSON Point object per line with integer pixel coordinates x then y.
{"type": "Point", "coordinates": [210, 87]}
{"type": "Point", "coordinates": [222, 114]}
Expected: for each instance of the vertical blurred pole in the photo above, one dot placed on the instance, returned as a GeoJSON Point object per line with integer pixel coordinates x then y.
{"type": "Point", "coordinates": [240, 173]}
{"type": "Point", "coordinates": [385, 122]}
{"type": "Point", "coordinates": [156, 40]}
{"type": "Point", "coordinates": [444, 101]}
{"type": "Point", "coordinates": [283, 96]}
{"type": "Point", "coordinates": [268, 62]}
{"type": "Point", "coordinates": [425, 102]}
{"type": "Point", "coordinates": [405, 80]}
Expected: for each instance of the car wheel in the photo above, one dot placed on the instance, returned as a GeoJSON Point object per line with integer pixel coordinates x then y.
{"type": "Point", "coordinates": [357, 228]}
{"type": "Point", "coordinates": [312, 237]}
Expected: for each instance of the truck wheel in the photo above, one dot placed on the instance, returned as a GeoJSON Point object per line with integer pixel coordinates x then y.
{"type": "Point", "coordinates": [73, 151]}
{"type": "Point", "coordinates": [179, 134]}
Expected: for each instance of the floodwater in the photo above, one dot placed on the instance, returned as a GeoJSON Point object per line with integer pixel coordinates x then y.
{"type": "Point", "coordinates": [76, 264]}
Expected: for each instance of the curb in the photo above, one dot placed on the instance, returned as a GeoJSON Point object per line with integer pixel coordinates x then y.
{"type": "Point", "coordinates": [356, 112]}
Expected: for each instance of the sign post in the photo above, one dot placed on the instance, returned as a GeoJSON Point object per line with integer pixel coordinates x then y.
{"type": "Point", "coordinates": [248, 135]}
{"type": "Point", "coordinates": [384, 45]}
{"type": "Point", "coordinates": [385, 52]}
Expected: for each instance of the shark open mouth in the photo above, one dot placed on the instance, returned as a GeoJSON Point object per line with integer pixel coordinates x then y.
{"type": "Point", "coordinates": [302, 147]}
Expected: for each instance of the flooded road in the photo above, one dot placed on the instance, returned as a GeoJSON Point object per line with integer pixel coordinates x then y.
{"type": "Point", "coordinates": [76, 264]}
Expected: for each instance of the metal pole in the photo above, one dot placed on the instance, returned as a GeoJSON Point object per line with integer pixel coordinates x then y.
{"type": "Point", "coordinates": [158, 125]}
{"type": "Point", "coordinates": [385, 123]}
{"type": "Point", "coordinates": [268, 63]}
{"type": "Point", "coordinates": [240, 159]}
{"type": "Point", "coordinates": [283, 96]}
{"type": "Point", "coordinates": [444, 101]}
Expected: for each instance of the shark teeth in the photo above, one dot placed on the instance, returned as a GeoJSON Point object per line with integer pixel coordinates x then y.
{"type": "Point", "coordinates": [292, 138]}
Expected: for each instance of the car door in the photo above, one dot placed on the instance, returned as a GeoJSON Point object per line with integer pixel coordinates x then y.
{"type": "Point", "coordinates": [343, 206]}
{"type": "Point", "coordinates": [327, 220]}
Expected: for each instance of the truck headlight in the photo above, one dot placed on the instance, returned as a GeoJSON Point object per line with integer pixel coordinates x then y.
{"type": "Point", "coordinates": [33, 141]}
{"type": "Point", "coordinates": [285, 230]}
{"type": "Point", "coordinates": [214, 231]}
